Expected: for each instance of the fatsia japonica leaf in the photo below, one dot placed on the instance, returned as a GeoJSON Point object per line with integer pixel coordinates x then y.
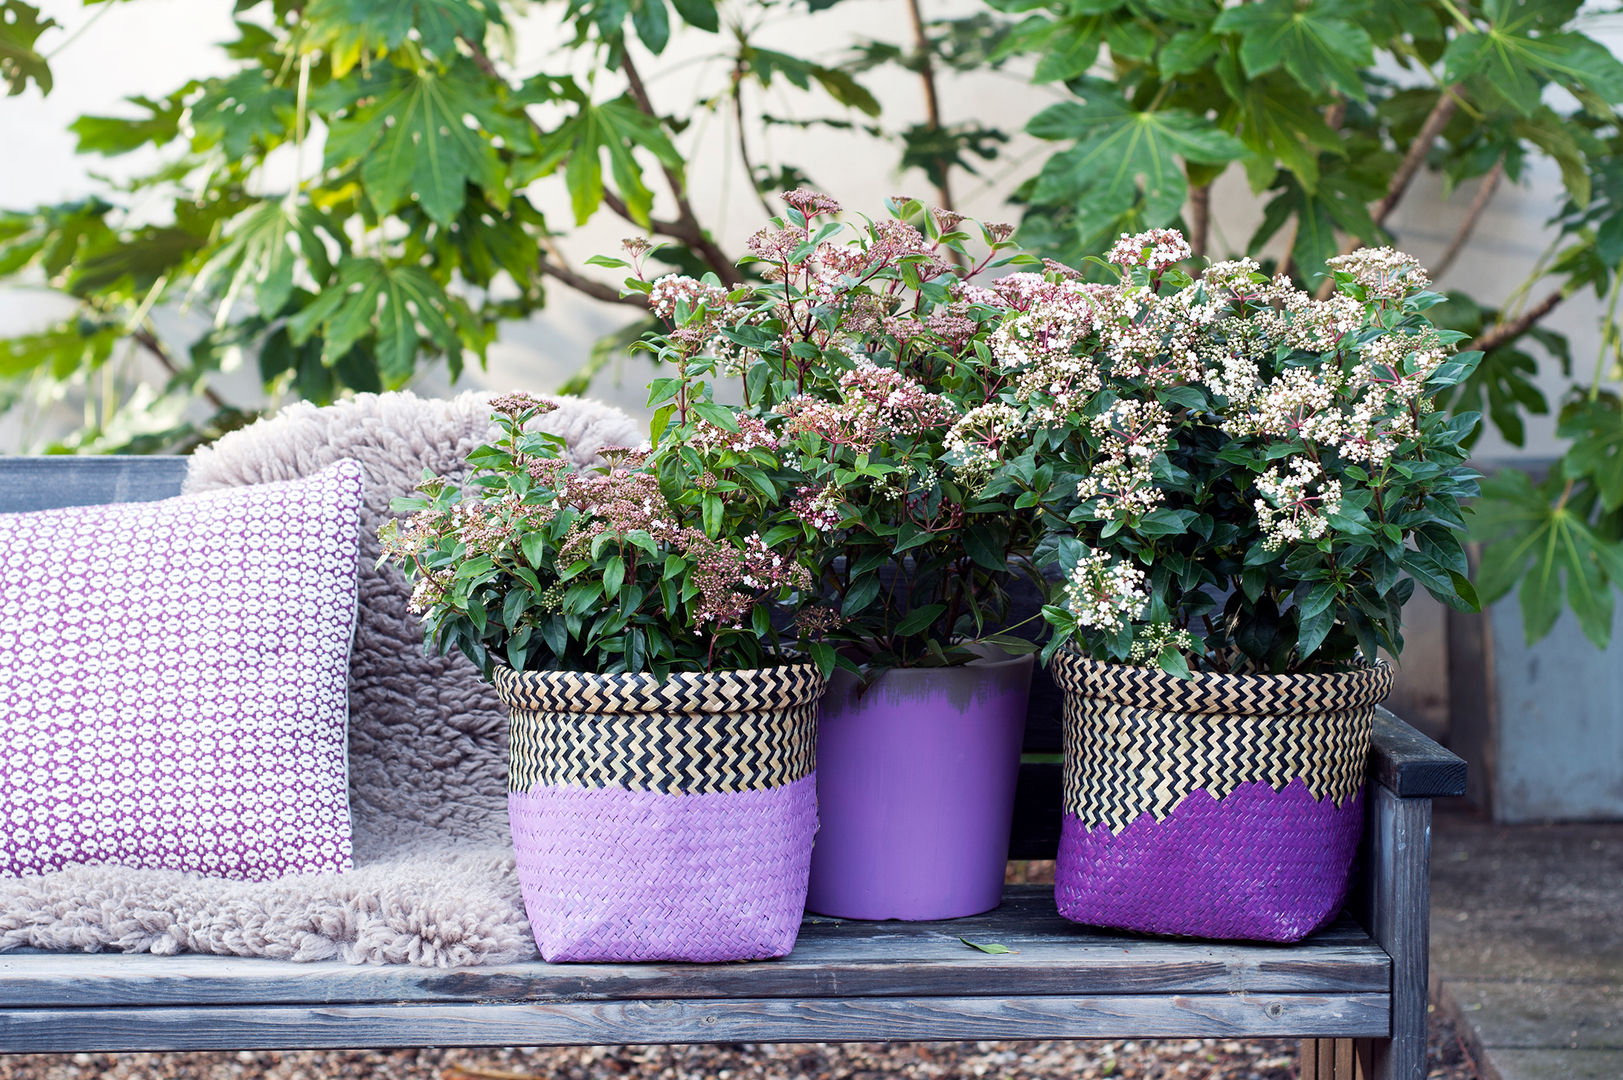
{"type": "Point", "coordinates": [52, 237]}
{"type": "Point", "coordinates": [422, 134]}
{"type": "Point", "coordinates": [353, 31]}
{"type": "Point", "coordinates": [401, 305]}
{"type": "Point", "coordinates": [764, 65]}
{"type": "Point", "coordinates": [247, 110]}
{"type": "Point", "coordinates": [702, 13]}
{"type": "Point", "coordinates": [1564, 143]}
{"type": "Point", "coordinates": [20, 62]}
{"type": "Point", "coordinates": [262, 249]}
{"type": "Point", "coordinates": [1317, 214]}
{"type": "Point", "coordinates": [1119, 148]}
{"type": "Point", "coordinates": [1535, 539]}
{"type": "Point", "coordinates": [1281, 127]}
{"type": "Point", "coordinates": [128, 264]}
{"type": "Point", "coordinates": [61, 350]}
{"type": "Point", "coordinates": [1523, 47]}
{"type": "Point", "coordinates": [1596, 430]}
{"type": "Point", "coordinates": [111, 136]}
{"type": "Point", "coordinates": [1321, 43]}
{"type": "Point", "coordinates": [617, 128]}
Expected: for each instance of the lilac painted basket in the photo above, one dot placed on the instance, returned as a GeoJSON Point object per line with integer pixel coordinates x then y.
{"type": "Point", "coordinates": [1223, 806]}
{"type": "Point", "coordinates": [663, 820]}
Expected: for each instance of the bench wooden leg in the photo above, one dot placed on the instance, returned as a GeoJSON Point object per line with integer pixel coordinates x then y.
{"type": "Point", "coordinates": [1335, 1059]}
{"type": "Point", "coordinates": [1399, 918]}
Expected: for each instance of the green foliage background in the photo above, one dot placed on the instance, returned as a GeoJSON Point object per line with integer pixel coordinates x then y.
{"type": "Point", "coordinates": [415, 236]}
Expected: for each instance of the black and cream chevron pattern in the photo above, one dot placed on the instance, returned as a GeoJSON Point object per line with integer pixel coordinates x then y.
{"type": "Point", "coordinates": [1208, 692]}
{"type": "Point", "coordinates": [694, 732]}
{"type": "Point", "coordinates": [1138, 740]}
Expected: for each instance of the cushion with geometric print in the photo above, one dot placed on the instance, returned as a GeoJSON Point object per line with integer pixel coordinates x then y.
{"type": "Point", "coordinates": [173, 681]}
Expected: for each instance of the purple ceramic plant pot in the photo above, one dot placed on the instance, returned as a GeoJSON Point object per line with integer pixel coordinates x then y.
{"type": "Point", "coordinates": [1222, 806]}
{"type": "Point", "coordinates": [915, 790]}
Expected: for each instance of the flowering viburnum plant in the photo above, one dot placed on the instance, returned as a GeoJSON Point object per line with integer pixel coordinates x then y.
{"type": "Point", "coordinates": [865, 354]}
{"type": "Point", "coordinates": [1237, 476]}
{"type": "Point", "coordinates": [653, 562]}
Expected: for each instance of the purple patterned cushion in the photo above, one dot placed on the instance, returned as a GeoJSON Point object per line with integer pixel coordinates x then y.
{"type": "Point", "coordinates": [172, 681]}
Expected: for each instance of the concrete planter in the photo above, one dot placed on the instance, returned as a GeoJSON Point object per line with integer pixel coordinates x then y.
{"type": "Point", "coordinates": [1541, 725]}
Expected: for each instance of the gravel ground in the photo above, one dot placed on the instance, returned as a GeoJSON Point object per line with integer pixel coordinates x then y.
{"type": "Point", "coordinates": [1195, 1059]}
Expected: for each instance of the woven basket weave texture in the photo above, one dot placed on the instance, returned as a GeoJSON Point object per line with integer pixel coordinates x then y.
{"type": "Point", "coordinates": [1221, 806]}
{"type": "Point", "coordinates": [663, 820]}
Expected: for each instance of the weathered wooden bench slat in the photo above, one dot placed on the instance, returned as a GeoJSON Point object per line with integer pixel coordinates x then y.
{"type": "Point", "coordinates": [593, 1023]}
{"type": "Point", "coordinates": [52, 482]}
{"type": "Point", "coordinates": [831, 960]}
{"type": "Point", "coordinates": [1410, 765]}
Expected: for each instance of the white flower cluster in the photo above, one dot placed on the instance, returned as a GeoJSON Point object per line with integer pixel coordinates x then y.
{"type": "Point", "coordinates": [818, 507]}
{"type": "Point", "coordinates": [903, 404]}
{"type": "Point", "coordinates": [1152, 337]}
{"type": "Point", "coordinates": [674, 289]}
{"type": "Point", "coordinates": [1320, 325]}
{"type": "Point", "coordinates": [1131, 434]}
{"type": "Point", "coordinates": [1384, 273]}
{"type": "Point", "coordinates": [1230, 361]}
{"type": "Point", "coordinates": [977, 440]}
{"type": "Point", "coordinates": [1236, 278]}
{"type": "Point", "coordinates": [1104, 595]}
{"type": "Point", "coordinates": [752, 434]}
{"type": "Point", "coordinates": [1156, 249]}
{"type": "Point", "coordinates": [1036, 341]}
{"type": "Point", "coordinates": [1300, 402]}
{"type": "Point", "coordinates": [1149, 642]}
{"type": "Point", "coordinates": [1290, 510]}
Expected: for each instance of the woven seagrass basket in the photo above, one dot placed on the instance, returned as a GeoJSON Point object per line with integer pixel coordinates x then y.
{"type": "Point", "coordinates": [1222, 806]}
{"type": "Point", "coordinates": [663, 820]}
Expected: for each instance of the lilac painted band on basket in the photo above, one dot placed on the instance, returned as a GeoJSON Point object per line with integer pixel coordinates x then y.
{"type": "Point", "coordinates": [1260, 865]}
{"type": "Point", "coordinates": [614, 874]}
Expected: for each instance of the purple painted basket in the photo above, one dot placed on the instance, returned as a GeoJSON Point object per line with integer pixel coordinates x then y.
{"type": "Point", "coordinates": [663, 820]}
{"type": "Point", "coordinates": [1222, 806]}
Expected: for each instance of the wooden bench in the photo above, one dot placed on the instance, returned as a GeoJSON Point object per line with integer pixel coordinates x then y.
{"type": "Point", "coordinates": [1355, 992]}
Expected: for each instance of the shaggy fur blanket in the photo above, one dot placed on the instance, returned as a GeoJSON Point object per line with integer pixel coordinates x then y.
{"type": "Point", "coordinates": [433, 881]}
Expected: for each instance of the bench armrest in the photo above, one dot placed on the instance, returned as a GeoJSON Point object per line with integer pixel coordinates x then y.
{"type": "Point", "coordinates": [1410, 765]}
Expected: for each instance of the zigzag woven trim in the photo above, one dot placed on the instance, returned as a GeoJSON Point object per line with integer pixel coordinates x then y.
{"type": "Point", "coordinates": [681, 692]}
{"type": "Point", "coordinates": [608, 739]}
{"type": "Point", "coordinates": [1208, 692]}
{"type": "Point", "coordinates": [1122, 761]}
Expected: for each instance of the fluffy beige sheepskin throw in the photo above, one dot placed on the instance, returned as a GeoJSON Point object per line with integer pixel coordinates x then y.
{"type": "Point", "coordinates": [433, 881]}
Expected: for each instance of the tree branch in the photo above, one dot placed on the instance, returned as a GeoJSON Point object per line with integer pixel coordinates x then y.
{"type": "Point", "coordinates": [691, 232]}
{"type": "Point", "coordinates": [1436, 120]}
{"type": "Point", "coordinates": [149, 341]}
{"type": "Point", "coordinates": [743, 140]}
{"type": "Point", "coordinates": [586, 286]}
{"type": "Point", "coordinates": [1484, 194]}
{"type": "Point", "coordinates": [1505, 332]}
{"type": "Point", "coordinates": [1200, 218]}
{"type": "Point", "coordinates": [1441, 113]}
{"type": "Point", "coordinates": [932, 99]}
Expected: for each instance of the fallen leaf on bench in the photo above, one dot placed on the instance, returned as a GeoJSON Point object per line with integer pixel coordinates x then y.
{"type": "Point", "coordinates": [989, 947]}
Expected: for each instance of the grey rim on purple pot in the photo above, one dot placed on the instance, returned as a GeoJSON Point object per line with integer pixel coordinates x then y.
{"type": "Point", "coordinates": [663, 820]}
{"type": "Point", "coordinates": [1222, 806]}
